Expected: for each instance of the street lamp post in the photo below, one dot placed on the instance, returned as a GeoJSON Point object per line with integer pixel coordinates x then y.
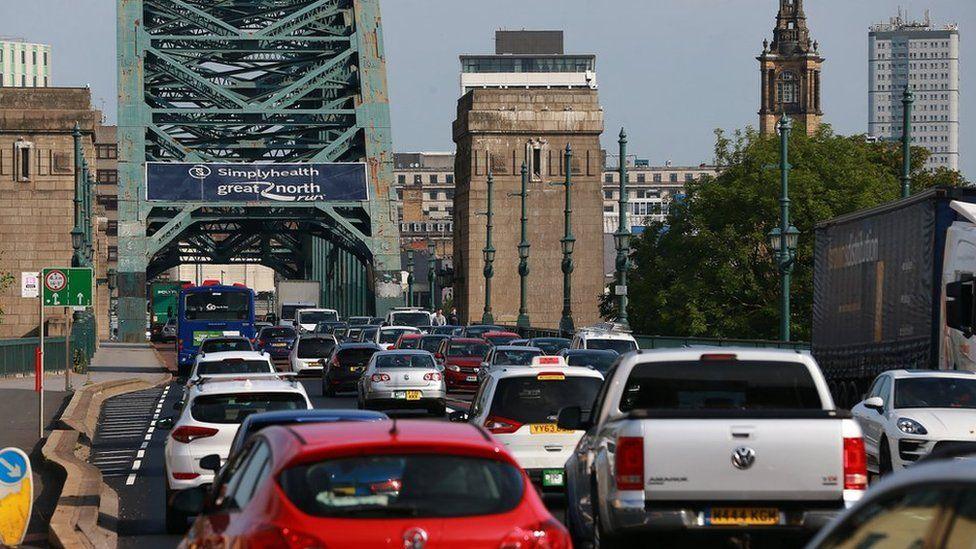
{"type": "Point", "coordinates": [431, 277]}
{"type": "Point", "coordinates": [784, 238]}
{"type": "Point", "coordinates": [77, 233]}
{"type": "Point", "coordinates": [621, 238]}
{"type": "Point", "coordinates": [907, 99]}
{"type": "Point", "coordinates": [568, 241]}
{"type": "Point", "coordinates": [90, 214]}
{"type": "Point", "coordinates": [410, 277]}
{"type": "Point", "coordinates": [489, 255]}
{"type": "Point", "coordinates": [523, 252]}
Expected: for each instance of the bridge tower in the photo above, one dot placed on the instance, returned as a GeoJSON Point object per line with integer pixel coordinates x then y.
{"type": "Point", "coordinates": [256, 81]}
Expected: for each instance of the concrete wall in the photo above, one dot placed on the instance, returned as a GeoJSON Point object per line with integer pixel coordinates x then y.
{"type": "Point", "coordinates": [501, 127]}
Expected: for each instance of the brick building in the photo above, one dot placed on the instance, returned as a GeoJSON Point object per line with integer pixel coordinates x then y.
{"type": "Point", "coordinates": [36, 195]}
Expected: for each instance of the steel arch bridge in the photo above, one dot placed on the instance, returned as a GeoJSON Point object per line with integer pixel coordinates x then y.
{"type": "Point", "coordinates": [256, 81]}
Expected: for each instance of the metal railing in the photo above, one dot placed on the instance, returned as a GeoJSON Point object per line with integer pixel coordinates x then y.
{"type": "Point", "coordinates": [17, 355]}
{"type": "Point", "coordinates": [671, 342]}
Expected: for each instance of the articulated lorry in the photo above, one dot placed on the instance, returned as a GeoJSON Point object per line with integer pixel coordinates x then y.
{"type": "Point", "coordinates": [893, 288]}
{"type": "Point", "coordinates": [294, 295]}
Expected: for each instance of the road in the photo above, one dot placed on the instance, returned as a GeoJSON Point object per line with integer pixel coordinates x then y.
{"type": "Point", "coordinates": [129, 451]}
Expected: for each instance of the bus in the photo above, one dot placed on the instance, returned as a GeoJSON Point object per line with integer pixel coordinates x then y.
{"type": "Point", "coordinates": [211, 310]}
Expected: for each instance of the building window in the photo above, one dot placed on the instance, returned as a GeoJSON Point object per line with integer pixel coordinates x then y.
{"type": "Point", "coordinates": [786, 87]}
{"type": "Point", "coordinates": [673, 178]}
{"type": "Point", "coordinates": [23, 150]}
{"type": "Point", "coordinates": [449, 194]}
{"type": "Point", "coordinates": [608, 195]}
{"type": "Point", "coordinates": [107, 177]}
{"type": "Point", "coordinates": [608, 209]}
{"type": "Point", "coordinates": [418, 179]}
{"type": "Point", "coordinates": [537, 162]}
{"type": "Point", "coordinates": [689, 177]}
{"type": "Point", "coordinates": [433, 178]}
{"type": "Point", "coordinates": [402, 179]}
{"type": "Point", "coordinates": [608, 178]}
{"type": "Point", "coordinates": [657, 178]}
{"type": "Point", "coordinates": [23, 80]}
{"type": "Point", "coordinates": [107, 151]}
{"type": "Point", "coordinates": [34, 57]}
{"type": "Point", "coordinates": [641, 178]}
{"type": "Point", "coordinates": [45, 59]}
{"type": "Point", "coordinates": [23, 57]}
{"type": "Point", "coordinates": [112, 229]}
{"type": "Point", "coordinates": [450, 179]}
{"type": "Point", "coordinates": [113, 253]}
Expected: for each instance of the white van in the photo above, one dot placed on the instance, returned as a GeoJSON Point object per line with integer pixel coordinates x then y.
{"type": "Point", "coordinates": [604, 337]}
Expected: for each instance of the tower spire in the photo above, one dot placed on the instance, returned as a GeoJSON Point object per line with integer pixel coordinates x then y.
{"type": "Point", "coordinates": [791, 35]}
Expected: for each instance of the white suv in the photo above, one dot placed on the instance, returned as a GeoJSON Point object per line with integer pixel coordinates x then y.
{"type": "Point", "coordinates": [307, 319]}
{"type": "Point", "coordinates": [309, 352]}
{"type": "Point", "coordinates": [604, 337]}
{"type": "Point", "coordinates": [520, 405]}
{"type": "Point", "coordinates": [240, 363]}
{"type": "Point", "coordinates": [213, 409]}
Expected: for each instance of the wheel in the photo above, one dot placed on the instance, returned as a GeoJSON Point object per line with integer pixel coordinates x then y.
{"type": "Point", "coordinates": [176, 522]}
{"type": "Point", "coordinates": [884, 458]}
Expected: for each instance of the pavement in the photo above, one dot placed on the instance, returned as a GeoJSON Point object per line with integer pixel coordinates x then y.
{"type": "Point", "coordinates": [18, 407]}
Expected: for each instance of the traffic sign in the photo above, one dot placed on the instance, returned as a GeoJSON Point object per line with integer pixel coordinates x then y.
{"type": "Point", "coordinates": [69, 287]}
{"type": "Point", "coordinates": [28, 284]}
{"type": "Point", "coordinates": [16, 496]}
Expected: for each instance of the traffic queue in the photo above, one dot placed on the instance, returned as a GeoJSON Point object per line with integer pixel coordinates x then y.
{"type": "Point", "coordinates": [742, 443]}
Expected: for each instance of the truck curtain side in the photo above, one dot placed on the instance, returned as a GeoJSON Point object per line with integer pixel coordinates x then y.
{"type": "Point", "coordinates": [163, 298]}
{"type": "Point", "coordinates": [878, 289]}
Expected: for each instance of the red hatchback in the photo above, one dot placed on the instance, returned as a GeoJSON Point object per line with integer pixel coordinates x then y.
{"type": "Point", "coordinates": [500, 338]}
{"type": "Point", "coordinates": [461, 357]}
{"type": "Point", "coordinates": [398, 484]}
{"type": "Point", "coordinates": [408, 341]}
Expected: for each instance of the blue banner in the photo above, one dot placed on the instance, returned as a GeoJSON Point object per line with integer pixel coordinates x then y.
{"type": "Point", "coordinates": [212, 182]}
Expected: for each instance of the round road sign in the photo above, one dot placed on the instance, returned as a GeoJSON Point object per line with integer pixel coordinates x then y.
{"type": "Point", "coordinates": [55, 281]}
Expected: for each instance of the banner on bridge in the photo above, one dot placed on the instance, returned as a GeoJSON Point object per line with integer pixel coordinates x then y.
{"type": "Point", "coordinates": [215, 182]}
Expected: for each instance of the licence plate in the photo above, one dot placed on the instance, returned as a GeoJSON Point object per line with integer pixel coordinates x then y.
{"type": "Point", "coordinates": [279, 344]}
{"type": "Point", "coordinates": [547, 429]}
{"type": "Point", "coordinates": [413, 395]}
{"type": "Point", "coordinates": [471, 378]}
{"type": "Point", "coordinates": [552, 477]}
{"type": "Point", "coordinates": [356, 369]}
{"type": "Point", "coordinates": [743, 516]}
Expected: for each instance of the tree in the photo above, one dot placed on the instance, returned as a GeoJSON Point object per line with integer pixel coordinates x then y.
{"type": "Point", "coordinates": [707, 270]}
{"type": "Point", "coordinates": [6, 279]}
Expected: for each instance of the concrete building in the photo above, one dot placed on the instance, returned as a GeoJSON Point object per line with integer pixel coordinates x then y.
{"type": "Point", "coordinates": [650, 191]}
{"type": "Point", "coordinates": [926, 58]}
{"type": "Point", "coordinates": [528, 60]}
{"type": "Point", "coordinates": [37, 190]}
{"type": "Point", "coordinates": [107, 187]}
{"type": "Point", "coordinates": [24, 64]}
{"type": "Point", "coordinates": [789, 72]}
{"type": "Point", "coordinates": [499, 129]}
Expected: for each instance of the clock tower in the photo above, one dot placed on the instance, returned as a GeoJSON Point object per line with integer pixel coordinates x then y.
{"type": "Point", "coordinates": [789, 72]}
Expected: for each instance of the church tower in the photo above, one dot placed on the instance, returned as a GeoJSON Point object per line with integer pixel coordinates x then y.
{"type": "Point", "coordinates": [789, 72]}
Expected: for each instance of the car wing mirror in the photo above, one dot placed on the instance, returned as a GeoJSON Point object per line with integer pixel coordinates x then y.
{"type": "Point", "coordinates": [875, 403]}
{"type": "Point", "coordinates": [458, 416]}
{"type": "Point", "coordinates": [210, 462]}
{"type": "Point", "coordinates": [165, 423]}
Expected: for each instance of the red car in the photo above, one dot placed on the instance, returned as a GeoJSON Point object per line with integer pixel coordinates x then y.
{"type": "Point", "coordinates": [408, 341]}
{"type": "Point", "coordinates": [404, 483]}
{"type": "Point", "coordinates": [500, 338]}
{"type": "Point", "coordinates": [461, 358]}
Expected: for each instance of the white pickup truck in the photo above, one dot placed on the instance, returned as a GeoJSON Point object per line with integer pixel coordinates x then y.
{"type": "Point", "coordinates": [703, 439]}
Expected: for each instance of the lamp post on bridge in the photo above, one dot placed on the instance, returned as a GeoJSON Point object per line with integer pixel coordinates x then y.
{"type": "Point", "coordinates": [907, 99]}
{"type": "Point", "coordinates": [410, 277]}
{"type": "Point", "coordinates": [431, 276]}
{"type": "Point", "coordinates": [568, 241]}
{"type": "Point", "coordinates": [621, 238]}
{"type": "Point", "coordinates": [77, 233]}
{"type": "Point", "coordinates": [523, 252]}
{"type": "Point", "coordinates": [784, 238]}
{"type": "Point", "coordinates": [489, 254]}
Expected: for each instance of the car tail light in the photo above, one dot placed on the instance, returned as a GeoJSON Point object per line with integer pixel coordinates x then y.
{"type": "Point", "coordinates": [501, 425]}
{"type": "Point", "coordinates": [282, 537]}
{"type": "Point", "coordinates": [629, 463]}
{"type": "Point", "coordinates": [391, 486]}
{"type": "Point", "coordinates": [548, 534]}
{"type": "Point", "coordinates": [855, 464]}
{"type": "Point", "coordinates": [185, 476]}
{"type": "Point", "coordinates": [379, 377]}
{"type": "Point", "coordinates": [189, 433]}
{"type": "Point", "coordinates": [717, 357]}
{"type": "Point", "coordinates": [179, 345]}
{"type": "Point", "coordinates": [433, 376]}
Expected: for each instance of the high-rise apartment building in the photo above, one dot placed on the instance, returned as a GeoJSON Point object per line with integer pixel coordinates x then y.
{"type": "Point", "coordinates": [24, 65]}
{"type": "Point", "coordinates": [926, 59]}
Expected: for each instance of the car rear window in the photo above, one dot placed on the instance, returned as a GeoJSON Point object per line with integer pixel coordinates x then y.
{"type": "Point", "coordinates": [467, 349]}
{"type": "Point", "coordinates": [390, 336]}
{"type": "Point", "coordinates": [411, 343]}
{"type": "Point", "coordinates": [234, 366]}
{"type": "Point", "coordinates": [395, 486]}
{"type": "Point", "coordinates": [431, 344]}
{"type": "Point", "coordinates": [726, 384]}
{"type": "Point", "coordinates": [550, 346]}
{"type": "Point", "coordinates": [316, 347]}
{"type": "Point", "coordinates": [405, 361]}
{"type": "Point", "coordinates": [233, 408]}
{"type": "Point", "coordinates": [600, 361]}
{"type": "Point", "coordinates": [501, 339]}
{"type": "Point", "coordinates": [512, 357]}
{"type": "Point", "coordinates": [535, 400]}
{"type": "Point", "coordinates": [277, 332]}
{"type": "Point", "coordinates": [355, 357]}
{"type": "Point", "coordinates": [222, 345]}
{"type": "Point", "coordinates": [410, 319]}
{"type": "Point", "coordinates": [619, 345]}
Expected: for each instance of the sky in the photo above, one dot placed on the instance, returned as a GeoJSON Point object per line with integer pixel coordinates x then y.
{"type": "Point", "coordinates": [669, 71]}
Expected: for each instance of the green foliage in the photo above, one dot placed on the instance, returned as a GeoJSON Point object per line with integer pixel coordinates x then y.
{"type": "Point", "coordinates": [707, 271]}
{"type": "Point", "coordinates": [6, 279]}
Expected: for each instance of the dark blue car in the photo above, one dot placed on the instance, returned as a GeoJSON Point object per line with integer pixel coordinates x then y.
{"type": "Point", "coordinates": [276, 341]}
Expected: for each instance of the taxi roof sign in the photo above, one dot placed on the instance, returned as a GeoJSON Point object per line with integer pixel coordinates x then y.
{"type": "Point", "coordinates": [549, 360]}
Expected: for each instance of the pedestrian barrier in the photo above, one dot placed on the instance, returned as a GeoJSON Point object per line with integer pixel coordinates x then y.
{"type": "Point", "coordinates": [670, 342]}
{"type": "Point", "coordinates": [17, 355]}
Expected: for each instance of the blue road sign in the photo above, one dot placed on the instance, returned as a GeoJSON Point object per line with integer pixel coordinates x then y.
{"type": "Point", "coordinates": [13, 466]}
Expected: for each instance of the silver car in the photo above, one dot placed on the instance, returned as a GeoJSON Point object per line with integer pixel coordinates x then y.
{"type": "Point", "coordinates": [404, 378]}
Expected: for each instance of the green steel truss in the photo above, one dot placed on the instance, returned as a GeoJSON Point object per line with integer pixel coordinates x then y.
{"type": "Point", "coordinates": [256, 81]}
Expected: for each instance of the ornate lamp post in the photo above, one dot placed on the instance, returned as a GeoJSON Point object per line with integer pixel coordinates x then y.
{"type": "Point", "coordinates": [431, 277]}
{"type": "Point", "coordinates": [784, 238]}
{"type": "Point", "coordinates": [568, 241]}
{"type": "Point", "coordinates": [621, 238]}
{"type": "Point", "coordinates": [77, 233]}
{"type": "Point", "coordinates": [89, 219]}
{"type": "Point", "coordinates": [489, 255]}
{"type": "Point", "coordinates": [907, 99]}
{"type": "Point", "coordinates": [523, 252]}
{"type": "Point", "coordinates": [410, 278]}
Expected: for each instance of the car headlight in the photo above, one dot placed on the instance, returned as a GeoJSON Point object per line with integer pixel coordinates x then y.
{"type": "Point", "coordinates": [911, 427]}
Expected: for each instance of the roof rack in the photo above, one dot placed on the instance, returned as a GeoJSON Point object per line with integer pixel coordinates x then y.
{"type": "Point", "coordinates": [607, 327]}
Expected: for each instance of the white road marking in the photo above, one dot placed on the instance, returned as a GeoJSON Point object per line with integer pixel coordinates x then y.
{"type": "Point", "coordinates": [140, 454]}
{"type": "Point", "coordinates": [131, 480]}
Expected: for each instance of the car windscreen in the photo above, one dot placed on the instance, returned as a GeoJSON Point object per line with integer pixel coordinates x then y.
{"type": "Point", "coordinates": [221, 345]}
{"type": "Point", "coordinates": [410, 319]}
{"type": "Point", "coordinates": [431, 344]}
{"type": "Point", "coordinates": [538, 399]}
{"type": "Point", "coordinates": [368, 334]}
{"type": "Point", "coordinates": [403, 486]}
{"type": "Point", "coordinates": [599, 360]}
{"type": "Point", "coordinates": [935, 392]}
{"type": "Point", "coordinates": [315, 347]}
{"type": "Point", "coordinates": [550, 346]}
{"type": "Point", "coordinates": [314, 317]}
{"type": "Point", "coordinates": [225, 305]}
{"type": "Point", "coordinates": [411, 343]}
{"type": "Point", "coordinates": [390, 336]}
{"type": "Point", "coordinates": [464, 348]}
{"type": "Point", "coordinates": [270, 333]}
{"type": "Point", "coordinates": [233, 408]}
{"type": "Point", "coordinates": [355, 357]}
{"type": "Point", "coordinates": [405, 361]}
{"type": "Point", "coordinates": [234, 366]}
{"type": "Point", "coordinates": [501, 339]}
{"type": "Point", "coordinates": [620, 345]}
{"type": "Point", "coordinates": [720, 385]}
{"type": "Point", "coordinates": [513, 357]}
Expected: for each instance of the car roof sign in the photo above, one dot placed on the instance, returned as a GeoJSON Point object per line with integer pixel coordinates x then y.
{"type": "Point", "coordinates": [549, 360]}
